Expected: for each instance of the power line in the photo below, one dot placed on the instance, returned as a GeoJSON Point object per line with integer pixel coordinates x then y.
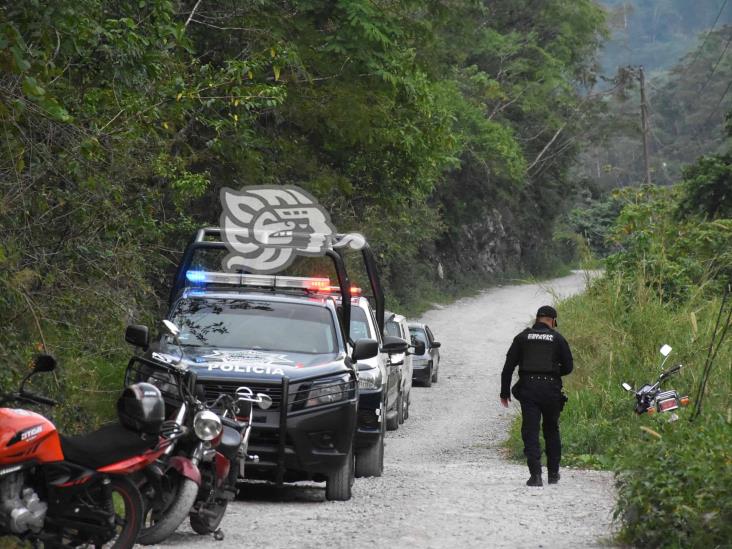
{"type": "Point", "coordinates": [709, 33]}
{"type": "Point", "coordinates": [714, 110]}
{"type": "Point", "coordinates": [714, 68]}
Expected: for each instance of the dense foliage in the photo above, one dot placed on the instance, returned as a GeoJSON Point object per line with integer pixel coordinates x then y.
{"type": "Point", "coordinates": [442, 130]}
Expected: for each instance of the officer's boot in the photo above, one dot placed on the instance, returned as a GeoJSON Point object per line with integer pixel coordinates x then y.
{"type": "Point", "coordinates": [554, 477]}
{"type": "Point", "coordinates": [535, 480]}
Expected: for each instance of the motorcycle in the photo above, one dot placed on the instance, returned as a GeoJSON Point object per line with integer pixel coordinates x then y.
{"type": "Point", "coordinates": [70, 491]}
{"type": "Point", "coordinates": [197, 476]}
{"type": "Point", "coordinates": [221, 473]}
{"type": "Point", "coordinates": [650, 399]}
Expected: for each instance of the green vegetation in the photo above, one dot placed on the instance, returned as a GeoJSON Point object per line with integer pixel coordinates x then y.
{"type": "Point", "coordinates": [663, 285]}
{"type": "Point", "coordinates": [444, 132]}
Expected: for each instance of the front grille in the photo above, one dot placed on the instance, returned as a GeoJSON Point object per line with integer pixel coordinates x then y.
{"type": "Point", "coordinates": [213, 389]}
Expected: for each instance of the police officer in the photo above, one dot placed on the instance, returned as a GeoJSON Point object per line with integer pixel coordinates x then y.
{"type": "Point", "coordinates": [543, 356]}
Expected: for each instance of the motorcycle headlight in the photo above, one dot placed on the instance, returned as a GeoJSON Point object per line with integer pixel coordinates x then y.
{"type": "Point", "coordinates": [369, 379]}
{"type": "Point", "coordinates": [207, 425]}
{"type": "Point", "coordinates": [328, 391]}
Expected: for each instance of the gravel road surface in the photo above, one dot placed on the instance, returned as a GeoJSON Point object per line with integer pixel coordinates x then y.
{"type": "Point", "coordinates": [446, 481]}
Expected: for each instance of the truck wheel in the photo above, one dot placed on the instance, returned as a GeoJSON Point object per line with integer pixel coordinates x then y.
{"type": "Point", "coordinates": [339, 483]}
{"type": "Point", "coordinates": [370, 461]}
{"type": "Point", "coordinates": [402, 405]}
{"type": "Point", "coordinates": [392, 423]}
{"type": "Point", "coordinates": [428, 380]}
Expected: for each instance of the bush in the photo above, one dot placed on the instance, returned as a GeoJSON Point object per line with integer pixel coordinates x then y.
{"type": "Point", "coordinates": [675, 490]}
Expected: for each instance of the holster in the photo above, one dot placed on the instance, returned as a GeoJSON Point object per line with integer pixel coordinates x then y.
{"type": "Point", "coordinates": [563, 400]}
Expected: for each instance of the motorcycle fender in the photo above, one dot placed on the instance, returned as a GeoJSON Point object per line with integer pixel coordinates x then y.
{"type": "Point", "coordinates": [186, 468]}
{"type": "Point", "coordinates": [222, 468]}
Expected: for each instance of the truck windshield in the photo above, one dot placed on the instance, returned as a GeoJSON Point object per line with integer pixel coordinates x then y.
{"type": "Point", "coordinates": [359, 324]}
{"type": "Point", "coordinates": [249, 324]}
{"type": "Point", "coordinates": [418, 335]}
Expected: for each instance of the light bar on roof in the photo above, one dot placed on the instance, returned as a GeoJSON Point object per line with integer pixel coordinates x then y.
{"type": "Point", "coordinates": [261, 281]}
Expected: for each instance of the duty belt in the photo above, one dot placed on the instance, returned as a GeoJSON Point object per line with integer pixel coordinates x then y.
{"type": "Point", "coordinates": [538, 377]}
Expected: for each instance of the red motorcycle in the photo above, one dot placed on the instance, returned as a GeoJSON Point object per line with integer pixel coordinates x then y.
{"type": "Point", "coordinates": [70, 491]}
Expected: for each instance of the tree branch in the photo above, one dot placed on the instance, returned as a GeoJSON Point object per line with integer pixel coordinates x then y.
{"type": "Point", "coordinates": [546, 147]}
{"type": "Point", "coordinates": [193, 12]}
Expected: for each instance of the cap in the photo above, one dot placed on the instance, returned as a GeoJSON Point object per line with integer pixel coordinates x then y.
{"type": "Point", "coordinates": [547, 311]}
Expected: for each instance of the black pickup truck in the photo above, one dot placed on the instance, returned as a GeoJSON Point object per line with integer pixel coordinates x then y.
{"type": "Point", "coordinates": [287, 337]}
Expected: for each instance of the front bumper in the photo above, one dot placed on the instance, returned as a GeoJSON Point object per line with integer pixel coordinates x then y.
{"type": "Point", "coordinates": [421, 373]}
{"type": "Point", "coordinates": [295, 443]}
{"type": "Point", "coordinates": [369, 425]}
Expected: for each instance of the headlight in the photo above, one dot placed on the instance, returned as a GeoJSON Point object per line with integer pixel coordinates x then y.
{"type": "Point", "coordinates": [369, 379]}
{"type": "Point", "coordinates": [207, 425]}
{"type": "Point", "coordinates": [328, 391]}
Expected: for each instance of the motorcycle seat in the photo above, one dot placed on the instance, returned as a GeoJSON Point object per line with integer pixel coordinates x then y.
{"type": "Point", "coordinates": [109, 444]}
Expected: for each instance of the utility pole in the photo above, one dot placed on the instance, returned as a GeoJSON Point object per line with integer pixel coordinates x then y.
{"type": "Point", "coordinates": [645, 124]}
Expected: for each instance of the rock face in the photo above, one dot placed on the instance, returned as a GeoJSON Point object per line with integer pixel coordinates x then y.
{"type": "Point", "coordinates": [487, 245]}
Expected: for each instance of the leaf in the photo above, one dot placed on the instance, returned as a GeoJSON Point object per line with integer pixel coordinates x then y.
{"type": "Point", "coordinates": [31, 88]}
{"type": "Point", "coordinates": [276, 71]}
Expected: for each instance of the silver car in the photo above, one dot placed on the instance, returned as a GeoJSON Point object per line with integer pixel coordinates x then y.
{"type": "Point", "coordinates": [396, 325]}
{"type": "Point", "coordinates": [425, 367]}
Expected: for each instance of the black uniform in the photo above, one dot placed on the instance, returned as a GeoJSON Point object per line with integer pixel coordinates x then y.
{"type": "Point", "coordinates": [543, 356]}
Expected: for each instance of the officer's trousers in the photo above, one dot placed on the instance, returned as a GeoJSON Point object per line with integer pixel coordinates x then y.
{"type": "Point", "coordinates": [541, 402]}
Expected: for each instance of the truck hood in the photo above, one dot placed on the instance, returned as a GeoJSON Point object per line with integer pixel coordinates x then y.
{"type": "Point", "coordinates": [236, 364]}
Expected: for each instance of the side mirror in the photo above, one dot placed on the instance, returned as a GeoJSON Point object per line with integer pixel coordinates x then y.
{"type": "Point", "coordinates": [168, 328]}
{"type": "Point", "coordinates": [394, 345]}
{"type": "Point", "coordinates": [365, 348]}
{"type": "Point", "coordinates": [138, 335]}
{"type": "Point", "coordinates": [44, 363]}
{"type": "Point", "coordinates": [627, 387]}
{"type": "Point", "coordinates": [419, 347]}
{"type": "Point", "coordinates": [666, 350]}
{"type": "Point", "coordinates": [436, 344]}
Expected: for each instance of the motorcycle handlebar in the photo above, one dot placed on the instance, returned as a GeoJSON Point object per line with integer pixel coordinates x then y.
{"type": "Point", "coordinates": [671, 371]}
{"type": "Point", "coordinates": [38, 399]}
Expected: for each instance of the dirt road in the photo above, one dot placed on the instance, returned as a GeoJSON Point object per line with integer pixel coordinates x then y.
{"type": "Point", "coordinates": [445, 482]}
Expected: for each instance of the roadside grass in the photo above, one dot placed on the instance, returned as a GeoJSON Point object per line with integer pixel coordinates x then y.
{"type": "Point", "coordinates": [674, 479]}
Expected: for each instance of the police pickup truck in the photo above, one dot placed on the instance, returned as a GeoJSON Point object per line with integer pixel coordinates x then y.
{"type": "Point", "coordinates": [287, 337]}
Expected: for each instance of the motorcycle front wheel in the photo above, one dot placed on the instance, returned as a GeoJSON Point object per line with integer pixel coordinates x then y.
{"type": "Point", "coordinates": [160, 523]}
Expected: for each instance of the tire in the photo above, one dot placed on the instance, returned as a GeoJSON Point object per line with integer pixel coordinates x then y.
{"type": "Point", "coordinates": [173, 516]}
{"type": "Point", "coordinates": [392, 424]}
{"type": "Point", "coordinates": [370, 462]}
{"type": "Point", "coordinates": [208, 523]}
{"type": "Point", "coordinates": [428, 380]}
{"type": "Point", "coordinates": [339, 483]}
{"type": "Point", "coordinates": [125, 494]}
{"type": "Point", "coordinates": [400, 413]}
{"type": "Point", "coordinates": [434, 376]}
